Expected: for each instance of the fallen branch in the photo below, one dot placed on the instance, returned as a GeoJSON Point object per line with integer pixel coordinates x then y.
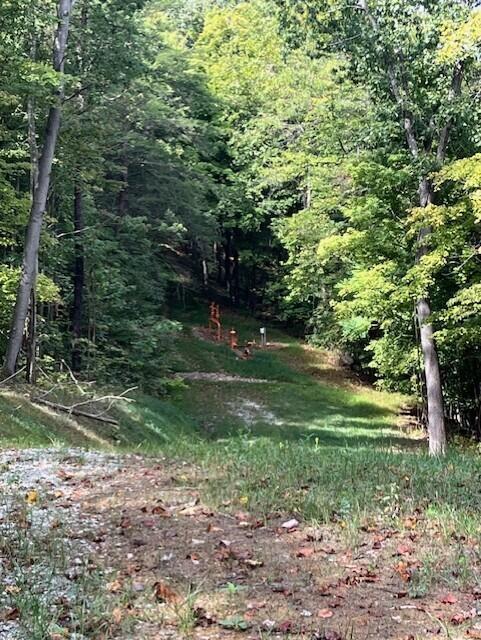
{"type": "Point", "coordinates": [74, 411]}
{"type": "Point", "coordinates": [14, 375]}
{"type": "Point", "coordinates": [73, 378]}
{"type": "Point", "coordinates": [112, 399]}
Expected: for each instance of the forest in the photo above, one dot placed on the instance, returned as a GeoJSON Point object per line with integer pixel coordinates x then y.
{"type": "Point", "coordinates": [312, 167]}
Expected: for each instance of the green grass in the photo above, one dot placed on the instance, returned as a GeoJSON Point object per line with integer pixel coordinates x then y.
{"type": "Point", "coordinates": [296, 445]}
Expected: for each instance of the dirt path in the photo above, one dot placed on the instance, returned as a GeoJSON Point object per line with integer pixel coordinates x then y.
{"type": "Point", "coordinates": [220, 377]}
{"type": "Point", "coordinates": [168, 566]}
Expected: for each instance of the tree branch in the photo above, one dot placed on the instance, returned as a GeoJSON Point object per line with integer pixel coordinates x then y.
{"type": "Point", "coordinates": [75, 412]}
{"type": "Point", "coordinates": [454, 93]}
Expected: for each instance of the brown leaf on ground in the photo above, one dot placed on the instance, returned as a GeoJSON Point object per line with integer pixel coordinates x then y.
{"type": "Point", "coordinates": [164, 593]}
{"type": "Point", "coordinates": [115, 586]}
{"type": "Point", "coordinates": [253, 564]}
{"type": "Point", "coordinates": [10, 614]}
{"type": "Point", "coordinates": [64, 475]}
{"type": "Point", "coordinates": [117, 615]}
{"type": "Point", "coordinates": [31, 497]}
{"type": "Point", "coordinates": [224, 554]}
{"type": "Point", "coordinates": [402, 569]}
{"type": "Point", "coordinates": [195, 557]}
{"type": "Point", "coordinates": [410, 523]}
{"type": "Point", "coordinates": [305, 552]}
{"type": "Point", "coordinates": [449, 599]}
{"type": "Point", "coordinates": [403, 550]}
{"type": "Point", "coordinates": [462, 616]}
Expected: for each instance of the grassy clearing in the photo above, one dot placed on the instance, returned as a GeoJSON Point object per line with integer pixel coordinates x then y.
{"type": "Point", "coordinates": [299, 444]}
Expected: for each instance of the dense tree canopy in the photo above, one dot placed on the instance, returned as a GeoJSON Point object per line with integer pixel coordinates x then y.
{"type": "Point", "coordinates": [315, 162]}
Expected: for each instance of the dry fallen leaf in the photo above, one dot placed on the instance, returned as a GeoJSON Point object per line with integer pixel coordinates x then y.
{"type": "Point", "coordinates": [285, 627]}
{"type": "Point", "coordinates": [403, 550]}
{"type": "Point", "coordinates": [325, 613]}
{"type": "Point", "coordinates": [164, 593]}
{"type": "Point", "coordinates": [159, 510]}
{"type": "Point", "coordinates": [32, 497]}
{"type": "Point", "coordinates": [463, 616]}
{"type": "Point", "coordinates": [64, 475]}
{"type": "Point", "coordinates": [117, 615]}
{"type": "Point", "coordinates": [403, 571]}
{"type": "Point", "coordinates": [449, 599]}
{"type": "Point", "coordinates": [115, 586]}
{"type": "Point", "coordinates": [253, 564]}
{"type": "Point", "coordinates": [10, 614]}
{"type": "Point", "coordinates": [306, 552]}
{"type": "Point", "coordinates": [410, 523]}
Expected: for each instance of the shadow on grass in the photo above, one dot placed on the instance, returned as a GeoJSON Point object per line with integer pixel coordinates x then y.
{"type": "Point", "coordinates": [295, 412]}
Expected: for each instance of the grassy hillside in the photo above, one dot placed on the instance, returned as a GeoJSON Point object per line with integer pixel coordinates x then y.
{"type": "Point", "coordinates": [300, 396]}
{"type": "Point", "coordinates": [298, 437]}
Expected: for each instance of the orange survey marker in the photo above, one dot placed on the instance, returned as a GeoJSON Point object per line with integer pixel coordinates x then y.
{"type": "Point", "coordinates": [214, 321]}
{"type": "Point", "coordinates": [234, 343]}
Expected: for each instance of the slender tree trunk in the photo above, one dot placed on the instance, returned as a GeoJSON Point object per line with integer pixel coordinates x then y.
{"type": "Point", "coordinates": [39, 203]}
{"type": "Point", "coordinates": [434, 390]}
{"type": "Point", "coordinates": [31, 338]}
{"type": "Point", "coordinates": [31, 335]}
{"type": "Point", "coordinates": [78, 279]}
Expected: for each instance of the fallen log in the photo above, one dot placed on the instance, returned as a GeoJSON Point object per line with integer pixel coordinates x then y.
{"type": "Point", "coordinates": [74, 411]}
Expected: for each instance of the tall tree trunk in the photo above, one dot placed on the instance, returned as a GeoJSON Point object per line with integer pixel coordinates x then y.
{"type": "Point", "coordinates": [39, 203]}
{"type": "Point", "coordinates": [78, 279]}
{"type": "Point", "coordinates": [31, 334]}
{"type": "Point", "coordinates": [434, 390]}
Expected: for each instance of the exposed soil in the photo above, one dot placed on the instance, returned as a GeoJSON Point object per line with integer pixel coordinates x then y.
{"type": "Point", "coordinates": [142, 522]}
{"type": "Point", "coordinates": [219, 377]}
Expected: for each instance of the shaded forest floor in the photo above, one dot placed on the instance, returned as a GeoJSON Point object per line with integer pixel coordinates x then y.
{"type": "Point", "coordinates": [275, 497]}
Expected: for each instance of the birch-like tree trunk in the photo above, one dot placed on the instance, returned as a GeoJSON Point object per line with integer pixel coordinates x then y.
{"type": "Point", "coordinates": [32, 240]}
